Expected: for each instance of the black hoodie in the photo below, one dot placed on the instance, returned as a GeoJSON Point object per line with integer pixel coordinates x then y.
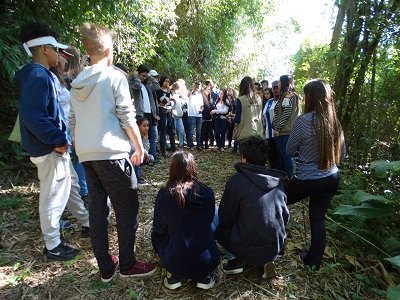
{"type": "Point", "coordinates": [253, 214]}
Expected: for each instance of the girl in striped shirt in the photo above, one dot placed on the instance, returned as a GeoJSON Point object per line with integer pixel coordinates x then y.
{"type": "Point", "coordinates": [318, 138]}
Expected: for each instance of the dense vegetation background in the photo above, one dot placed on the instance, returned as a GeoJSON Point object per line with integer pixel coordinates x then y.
{"type": "Point", "coordinates": [199, 39]}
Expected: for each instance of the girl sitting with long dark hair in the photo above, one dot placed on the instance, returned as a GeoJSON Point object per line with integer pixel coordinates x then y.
{"type": "Point", "coordinates": [182, 235]}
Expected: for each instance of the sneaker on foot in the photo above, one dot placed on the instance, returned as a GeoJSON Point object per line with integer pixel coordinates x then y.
{"type": "Point", "coordinates": [85, 232]}
{"type": "Point", "coordinates": [62, 252]}
{"type": "Point", "coordinates": [141, 182]}
{"type": "Point", "coordinates": [105, 278]}
{"type": "Point", "coordinates": [303, 256]}
{"type": "Point", "coordinates": [139, 269]}
{"type": "Point", "coordinates": [172, 282]}
{"type": "Point", "coordinates": [206, 282]}
{"type": "Point", "coordinates": [65, 225]}
{"type": "Point", "coordinates": [233, 266]}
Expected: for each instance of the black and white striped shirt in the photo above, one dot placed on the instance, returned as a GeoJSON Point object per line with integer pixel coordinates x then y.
{"type": "Point", "coordinates": [303, 139]}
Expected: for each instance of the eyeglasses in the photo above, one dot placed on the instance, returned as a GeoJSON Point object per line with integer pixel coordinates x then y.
{"type": "Point", "coordinates": [51, 46]}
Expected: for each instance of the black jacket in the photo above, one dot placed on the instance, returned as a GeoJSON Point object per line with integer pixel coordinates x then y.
{"type": "Point", "coordinates": [253, 214]}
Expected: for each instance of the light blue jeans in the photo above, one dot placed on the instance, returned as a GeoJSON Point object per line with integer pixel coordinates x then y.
{"type": "Point", "coordinates": [181, 131]}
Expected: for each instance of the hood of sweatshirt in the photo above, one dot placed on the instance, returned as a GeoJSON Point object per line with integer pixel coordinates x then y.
{"type": "Point", "coordinates": [263, 177]}
{"type": "Point", "coordinates": [25, 70]}
{"type": "Point", "coordinates": [83, 85]}
{"type": "Point", "coordinates": [198, 197]}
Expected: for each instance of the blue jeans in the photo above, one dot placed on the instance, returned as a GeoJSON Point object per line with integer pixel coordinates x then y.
{"type": "Point", "coordinates": [165, 127]}
{"type": "Point", "coordinates": [220, 129]}
{"type": "Point", "coordinates": [286, 160]}
{"type": "Point", "coordinates": [181, 131]}
{"type": "Point", "coordinates": [194, 121]}
{"type": "Point", "coordinates": [81, 173]}
{"type": "Point", "coordinates": [214, 225]}
{"type": "Point", "coordinates": [153, 141]}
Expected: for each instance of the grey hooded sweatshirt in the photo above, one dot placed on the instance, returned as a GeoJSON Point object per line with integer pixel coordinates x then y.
{"type": "Point", "coordinates": [101, 110]}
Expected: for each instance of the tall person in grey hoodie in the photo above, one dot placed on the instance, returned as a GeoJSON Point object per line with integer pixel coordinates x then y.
{"type": "Point", "coordinates": [102, 121]}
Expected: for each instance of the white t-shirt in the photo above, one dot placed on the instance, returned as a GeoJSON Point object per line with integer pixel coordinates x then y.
{"type": "Point", "coordinates": [146, 100]}
{"type": "Point", "coordinates": [195, 104]}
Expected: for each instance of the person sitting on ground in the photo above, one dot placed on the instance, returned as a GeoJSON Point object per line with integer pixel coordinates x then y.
{"type": "Point", "coordinates": [102, 121]}
{"type": "Point", "coordinates": [182, 236]}
{"type": "Point", "coordinates": [148, 159]}
{"type": "Point", "coordinates": [252, 213]}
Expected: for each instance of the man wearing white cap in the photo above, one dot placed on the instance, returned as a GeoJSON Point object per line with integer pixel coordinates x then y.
{"type": "Point", "coordinates": [43, 133]}
{"type": "Point", "coordinates": [154, 74]}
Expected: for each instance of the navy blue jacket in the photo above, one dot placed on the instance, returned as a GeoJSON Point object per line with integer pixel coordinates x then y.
{"type": "Point", "coordinates": [182, 237]}
{"type": "Point", "coordinates": [42, 128]}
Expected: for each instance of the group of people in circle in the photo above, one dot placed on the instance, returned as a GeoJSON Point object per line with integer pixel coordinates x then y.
{"type": "Point", "coordinates": [113, 136]}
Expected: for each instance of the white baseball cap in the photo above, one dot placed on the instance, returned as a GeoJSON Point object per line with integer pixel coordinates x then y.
{"type": "Point", "coordinates": [153, 73]}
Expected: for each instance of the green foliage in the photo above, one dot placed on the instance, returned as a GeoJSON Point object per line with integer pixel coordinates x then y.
{"type": "Point", "coordinates": [372, 213]}
{"type": "Point", "coordinates": [395, 261]}
{"type": "Point", "coordinates": [393, 293]}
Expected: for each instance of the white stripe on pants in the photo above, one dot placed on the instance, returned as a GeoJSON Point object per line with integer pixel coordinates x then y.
{"type": "Point", "coordinates": [55, 187]}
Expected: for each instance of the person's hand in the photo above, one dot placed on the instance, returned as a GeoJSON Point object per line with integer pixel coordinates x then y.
{"type": "Point", "coordinates": [62, 149]}
{"type": "Point", "coordinates": [84, 60]}
{"type": "Point", "coordinates": [276, 133]}
{"type": "Point", "coordinates": [213, 111]}
{"type": "Point", "coordinates": [137, 157]}
{"type": "Point", "coordinates": [157, 118]}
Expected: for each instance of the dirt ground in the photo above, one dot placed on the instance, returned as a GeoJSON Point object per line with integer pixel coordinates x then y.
{"type": "Point", "coordinates": [24, 275]}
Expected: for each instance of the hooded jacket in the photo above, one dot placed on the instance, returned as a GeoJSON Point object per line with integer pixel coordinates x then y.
{"type": "Point", "coordinates": [101, 110]}
{"type": "Point", "coordinates": [182, 237]}
{"type": "Point", "coordinates": [253, 214]}
{"type": "Point", "coordinates": [41, 125]}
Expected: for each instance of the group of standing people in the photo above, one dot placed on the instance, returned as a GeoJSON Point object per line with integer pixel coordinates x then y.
{"type": "Point", "coordinates": [110, 140]}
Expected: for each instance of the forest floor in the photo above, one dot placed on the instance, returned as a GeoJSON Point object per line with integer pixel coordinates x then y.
{"type": "Point", "coordinates": [24, 274]}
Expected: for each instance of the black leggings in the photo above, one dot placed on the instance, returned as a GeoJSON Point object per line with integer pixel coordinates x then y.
{"type": "Point", "coordinates": [320, 192]}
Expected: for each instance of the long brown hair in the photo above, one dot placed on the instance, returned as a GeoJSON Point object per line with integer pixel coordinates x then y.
{"type": "Point", "coordinates": [182, 176]}
{"type": "Point", "coordinates": [318, 99]}
{"type": "Point", "coordinates": [246, 89]}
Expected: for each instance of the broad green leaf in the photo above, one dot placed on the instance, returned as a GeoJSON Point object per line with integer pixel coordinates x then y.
{"type": "Point", "coordinates": [393, 293]}
{"type": "Point", "coordinates": [394, 260]}
{"type": "Point", "coordinates": [361, 196]}
{"type": "Point", "coordinates": [381, 167]}
{"type": "Point", "coordinates": [368, 210]}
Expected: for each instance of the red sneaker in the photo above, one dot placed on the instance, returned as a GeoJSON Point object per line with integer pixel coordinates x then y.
{"type": "Point", "coordinates": [139, 269]}
{"type": "Point", "coordinates": [108, 277]}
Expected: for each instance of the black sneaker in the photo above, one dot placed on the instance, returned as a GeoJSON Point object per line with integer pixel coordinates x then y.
{"type": "Point", "coordinates": [206, 282]}
{"type": "Point", "coordinates": [172, 282]}
{"type": "Point", "coordinates": [141, 182]}
{"type": "Point", "coordinates": [85, 232]}
{"type": "Point", "coordinates": [62, 252]}
{"type": "Point", "coordinates": [233, 266]}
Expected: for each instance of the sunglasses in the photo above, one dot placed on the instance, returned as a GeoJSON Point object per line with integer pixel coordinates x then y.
{"type": "Point", "coordinates": [51, 46]}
